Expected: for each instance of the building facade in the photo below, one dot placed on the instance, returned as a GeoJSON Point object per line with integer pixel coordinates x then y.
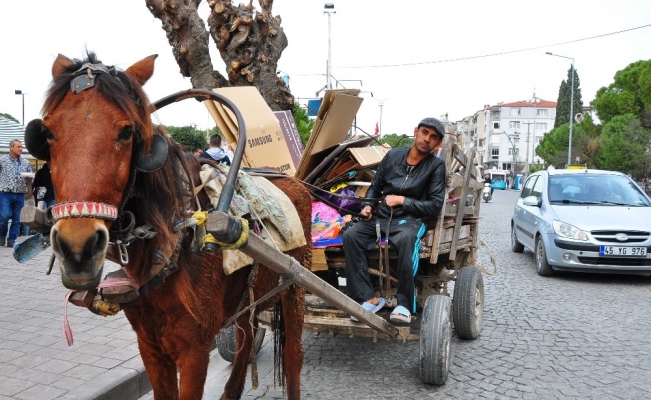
{"type": "Point", "coordinates": [513, 131]}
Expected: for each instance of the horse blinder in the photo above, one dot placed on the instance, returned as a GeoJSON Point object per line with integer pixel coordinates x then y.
{"type": "Point", "coordinates": [157, 156]}
{"type": "Point", "coordinates": [36, 140]}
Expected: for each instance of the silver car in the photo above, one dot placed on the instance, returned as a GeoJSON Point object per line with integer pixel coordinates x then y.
{"type": "Point", "coordinates": [583, 220]}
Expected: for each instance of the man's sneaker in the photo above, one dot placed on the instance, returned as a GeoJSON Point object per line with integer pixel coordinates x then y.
{"type": "Point", "coordinates": [10, 244]}
{"type": "Point", "coordinates": [2, 242]}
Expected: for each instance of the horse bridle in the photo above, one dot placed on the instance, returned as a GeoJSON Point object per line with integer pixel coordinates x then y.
{"type": "Point", "coordinates": [36, 143]}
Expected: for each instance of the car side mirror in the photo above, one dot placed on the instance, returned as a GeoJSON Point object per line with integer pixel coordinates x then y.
{"type": "Point", "coordinates": [532, 201]}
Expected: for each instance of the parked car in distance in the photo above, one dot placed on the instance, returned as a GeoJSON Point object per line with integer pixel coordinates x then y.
{"type": "Point", "coordinates": [583, 220]}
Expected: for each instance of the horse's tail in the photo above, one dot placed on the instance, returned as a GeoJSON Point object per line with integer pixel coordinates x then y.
{"type": "Point", "coordinates": [279, 345]}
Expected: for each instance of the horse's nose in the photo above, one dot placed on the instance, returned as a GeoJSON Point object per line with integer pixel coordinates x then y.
{"type": "Point", "coordinates": [80, 244]}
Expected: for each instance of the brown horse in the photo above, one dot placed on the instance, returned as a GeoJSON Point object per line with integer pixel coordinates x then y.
{"type": "Point", "coordinates": [105, 162]}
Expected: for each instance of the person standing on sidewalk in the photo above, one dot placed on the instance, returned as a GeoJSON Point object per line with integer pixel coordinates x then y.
{"type": "Point", "coordinates": [13, 187]}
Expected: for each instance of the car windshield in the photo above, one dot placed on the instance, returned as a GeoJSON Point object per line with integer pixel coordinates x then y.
{"type": "Point", "coordinates": [600, 189]}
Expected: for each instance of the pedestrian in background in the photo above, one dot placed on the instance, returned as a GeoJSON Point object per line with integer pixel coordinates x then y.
{"type": "Point", "coordinates": [14, 178]}
{"type": "Point", "coordinates": [215, 152]}
{"type": "Point", "coordinates": [43, 189]}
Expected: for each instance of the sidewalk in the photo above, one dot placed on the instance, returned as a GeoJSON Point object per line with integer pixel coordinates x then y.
{"type": "Point", "coordinates": [35, 360]}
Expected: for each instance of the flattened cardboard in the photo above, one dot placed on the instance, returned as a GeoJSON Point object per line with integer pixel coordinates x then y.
{"type": "Point", "coordinates": [265, 142]}
{"type": "Point", "coordinates": [330, 127]}
{"type": "Point", "coordinates": [336, 122]}
{"type": "Point", "coordinates": [367, 156]}
{"type": "Point", "coordinates": [292, 136]}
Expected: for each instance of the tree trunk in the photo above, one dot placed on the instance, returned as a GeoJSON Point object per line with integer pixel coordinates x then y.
{"type": "Point", "coordinates": [249, 41]}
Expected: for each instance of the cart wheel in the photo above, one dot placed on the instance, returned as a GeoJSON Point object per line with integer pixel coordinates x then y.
{"type": "Point", "coordinates": [542, 266]}
{"type": "Point", "coordinates": [227, 342]}
{"type": "Point", "coordinates": [468, 303]}
{"type": "Point", "coordinates": [435, 340]}
{"type": "Point", "coordinates": [516, 246]}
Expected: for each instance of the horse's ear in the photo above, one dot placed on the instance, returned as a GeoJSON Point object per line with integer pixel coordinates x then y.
{"type": "Point", "coordinates": [60, 65]}
{"type": "Point", "coordinates": [143, 69]}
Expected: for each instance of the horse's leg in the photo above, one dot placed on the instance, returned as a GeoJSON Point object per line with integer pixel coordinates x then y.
{"type": "Point", "coordinates": [161, 371]}
{"type": "Point", "coordinates": [193, 368]}
{"type": "Point", "coordinates": [235, 385]}
{"type": "Point", "coordinates": [293, 301]}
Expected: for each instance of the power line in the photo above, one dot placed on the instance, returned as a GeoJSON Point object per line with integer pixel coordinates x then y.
{"type": "Point", "coordinates": [501, 53]}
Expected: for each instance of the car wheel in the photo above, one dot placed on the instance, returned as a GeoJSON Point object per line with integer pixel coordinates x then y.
{"type": "Point", "coordinates": [542, 266]}
{"type": "Point", "coordinates": [516, 246]}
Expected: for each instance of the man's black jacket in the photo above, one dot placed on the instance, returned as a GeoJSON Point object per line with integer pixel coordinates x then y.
{"type": "Point", "coordinates": [423, 187]}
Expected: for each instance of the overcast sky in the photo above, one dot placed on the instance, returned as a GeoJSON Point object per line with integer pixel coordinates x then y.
{"type": "Point", "coordinates": [367, 35]}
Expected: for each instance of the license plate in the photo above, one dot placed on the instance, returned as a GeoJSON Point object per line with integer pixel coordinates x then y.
{"type": "Point", "coordinates": [622, 251]}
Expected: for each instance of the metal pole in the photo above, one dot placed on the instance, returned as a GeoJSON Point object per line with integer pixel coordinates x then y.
{"type": "Point", "coordinates": [569, 152]}
{"type": "Point", "coordinates": [380, 130]}
{"type": "Point", "coordinates": [23, 95]}
{"type": "Point", "coordinates": [329, 56]}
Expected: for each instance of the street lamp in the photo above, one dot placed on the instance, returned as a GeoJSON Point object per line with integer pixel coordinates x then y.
{"type": "Point", "coordinates": [20, 92]}
{"type": "Point", "coordinates": [329, 9]}
{"type": "Point", "coordinates": [569, 151]}
{"type": "Point", "coordinates": [380, 102]}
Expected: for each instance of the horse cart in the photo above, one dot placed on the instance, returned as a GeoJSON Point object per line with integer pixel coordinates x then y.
{"type": "Point", "coordinates": [447, 254]}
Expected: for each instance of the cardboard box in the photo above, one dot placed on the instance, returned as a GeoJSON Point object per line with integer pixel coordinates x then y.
{"type": "Point", "coordinates": [266, 145]}
{"type": "Point", "coordinates": [367, 156]}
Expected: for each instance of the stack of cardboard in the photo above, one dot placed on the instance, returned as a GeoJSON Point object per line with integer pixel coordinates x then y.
{"type": "Point", "coordinates": [273, 140]}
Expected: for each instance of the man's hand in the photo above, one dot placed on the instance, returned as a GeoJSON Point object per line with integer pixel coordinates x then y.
{"type": "Point", "coordinates": [392, 200]}
{"type": "Point", "coordinates": [366, 213]}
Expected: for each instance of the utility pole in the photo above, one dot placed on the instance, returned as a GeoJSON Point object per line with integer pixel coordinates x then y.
{"type": "Point", "coordinates": [526, 160]}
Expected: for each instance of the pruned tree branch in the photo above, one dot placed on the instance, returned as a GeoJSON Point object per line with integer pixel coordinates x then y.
{"type": "Point", "coordinates": [249, 41]}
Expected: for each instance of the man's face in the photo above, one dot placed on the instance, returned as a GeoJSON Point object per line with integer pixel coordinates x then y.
{"type": "Point", "coordinates": [426, 139]}
{"type": "Point", "coordinates": [16, 149]}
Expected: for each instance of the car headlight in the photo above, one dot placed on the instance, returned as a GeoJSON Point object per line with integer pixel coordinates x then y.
{"type": "Point", "coordinates": [568, 231]}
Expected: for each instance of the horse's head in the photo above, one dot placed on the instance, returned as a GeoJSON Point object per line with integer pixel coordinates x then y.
{"type": "Point", "coordinates": [96, 132]}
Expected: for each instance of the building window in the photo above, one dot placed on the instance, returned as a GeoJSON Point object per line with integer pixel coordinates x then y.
{"type": "Point", "coordinates": [514, 124]}
{"type": "Point", "coordinates": [542, 112]}
{"type": "Point", "coordinates": [515, 112]}
{"type": "Point", "coordinates": [481, 142]}
{"type": "Point", "coordinates": [495, 154]}
{"type": "Point", "coordinates": [541, 125]}
{"type": "Point", "coordinates": [496, 125]}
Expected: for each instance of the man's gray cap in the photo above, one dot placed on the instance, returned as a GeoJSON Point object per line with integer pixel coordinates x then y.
{"type": "Point", "coordinates": [435, 124]}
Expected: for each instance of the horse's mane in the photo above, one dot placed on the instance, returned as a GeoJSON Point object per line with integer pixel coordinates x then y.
{"type": "Point", "coordinates": [158, 200]}
{"type": "Point", "coordinates": [120, 89]}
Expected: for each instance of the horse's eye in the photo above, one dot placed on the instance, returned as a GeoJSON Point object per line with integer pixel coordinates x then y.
{"type": "Point", "coordinates": [48, 134]}
{"type": "Point", "coordinates": [125, 134]}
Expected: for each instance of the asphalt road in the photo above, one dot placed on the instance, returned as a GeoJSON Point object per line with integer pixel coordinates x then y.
{"type": "Point", "coordinates": [572, 335]}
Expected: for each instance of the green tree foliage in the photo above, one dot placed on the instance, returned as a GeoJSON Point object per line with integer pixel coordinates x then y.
{"type": "Point", "coordinates": [394, 140]}
{"type": "Point", "coordinates": [553, 147]}
{"type": "Point", "coordinates": [565, 97]}
{"type": "Point", "coordinates": [625, 145]}
{"type": "Point", "coordinates": [303, 123]}
{"type": "Point", "coordinates": [188, 136]}
{"type": "Point", "coordinates": [630, 93]}
{"type": "Point", "coordinates": [9, 117]}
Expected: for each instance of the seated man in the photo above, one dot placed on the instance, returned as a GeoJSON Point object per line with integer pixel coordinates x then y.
{"type": "Point", "coordinates": [412, 184]}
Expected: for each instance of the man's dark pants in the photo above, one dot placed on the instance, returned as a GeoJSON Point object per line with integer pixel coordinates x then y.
{"type": "Point", "coordinates": [10, 206]}
{"type": "Point", "coordinates": [359, 242]}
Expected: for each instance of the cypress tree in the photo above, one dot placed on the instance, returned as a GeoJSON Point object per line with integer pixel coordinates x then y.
{"type": "Point", "coordinates": [564, 99]}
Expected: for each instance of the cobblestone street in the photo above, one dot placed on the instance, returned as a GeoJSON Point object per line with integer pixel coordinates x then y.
{"type": "Point", "coordinates": [569, 336]}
